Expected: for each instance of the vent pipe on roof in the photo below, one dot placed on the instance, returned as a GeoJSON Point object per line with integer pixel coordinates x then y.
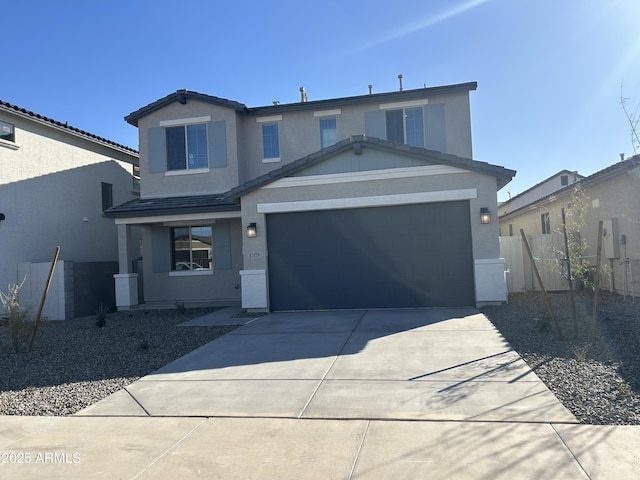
{"type": "Point", "coordinates": [303, 95]}
{"type": "Point", "coordinates": [370, 89]}
{"type": "Point", "coordinates": [276, 102]}
{"type": "Point", "coordinates": [400, 78]}
{"type": "Point", "coordinates": [622, 157]}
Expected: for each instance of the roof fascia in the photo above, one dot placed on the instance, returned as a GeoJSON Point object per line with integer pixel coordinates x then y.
{"type": "Point", "coordinates": [66, 128]}
{"type": "Point", "coordinates": [360, 141]}
{"type": "Point", "coordinates": [598, 177]}
{"type": "Point", "coordinates": [182, 96]}
{"type": "Point", "coordinates": [362, 99]}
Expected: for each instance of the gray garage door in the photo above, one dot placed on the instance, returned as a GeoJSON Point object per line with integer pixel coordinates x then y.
{"type": "Point", "coordinates": [383, 257]}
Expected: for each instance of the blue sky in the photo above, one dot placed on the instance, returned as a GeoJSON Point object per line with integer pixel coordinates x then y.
{"type": "Point", "coordinates": [549, 72]}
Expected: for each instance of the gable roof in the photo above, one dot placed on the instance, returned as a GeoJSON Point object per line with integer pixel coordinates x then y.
{"type": "Point", "coordinates": [142, 207]}
{"type": "Point", "coordinates": [555, 175]}
{"type": "Point", "coordinates": [183, 96]}
{"type": "Point", "coordinates": [357, 142]}
{"type": "Point", "coordinates": [601, 175]}
{"type": "Point", "coordinates": [36, 117]}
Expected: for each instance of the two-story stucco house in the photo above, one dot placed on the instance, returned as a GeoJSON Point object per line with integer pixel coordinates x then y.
{"type": "Point", "coordinates": [357, 202]}
{"type": "Point", "coordinates": [56, 181]}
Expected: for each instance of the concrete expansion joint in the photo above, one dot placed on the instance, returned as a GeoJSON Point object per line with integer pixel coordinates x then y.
{"type": "Point", "coordinates": [137, 402]}
{"type": "Point", "coordinates": [568, 448]}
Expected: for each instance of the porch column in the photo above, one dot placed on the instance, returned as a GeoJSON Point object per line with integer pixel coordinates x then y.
{"type": "Point", "coordinates": [125, 281]}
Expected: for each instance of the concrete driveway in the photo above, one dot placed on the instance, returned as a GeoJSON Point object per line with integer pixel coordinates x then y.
{"type": "Point", "coordinates": [426, 364]}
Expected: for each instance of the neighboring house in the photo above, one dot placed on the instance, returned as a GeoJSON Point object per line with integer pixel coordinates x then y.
{"type": "Point", "coordinates": [55, 183]}
{"type": "Point", "coordinates": [555, 182]}
{"type": "Point", "coordinates": [357, 202]}
{"type": "Point", "coordinates": [612, 196]}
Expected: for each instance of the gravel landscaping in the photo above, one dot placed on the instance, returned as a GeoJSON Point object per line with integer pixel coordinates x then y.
{"type": "Point", "coordinates": [74, 363]}
{"type": "Point", "coordinates": [599, 381]}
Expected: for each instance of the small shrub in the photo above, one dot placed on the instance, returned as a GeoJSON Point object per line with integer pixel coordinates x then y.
{"type": "Point", "coordinates": [180, 307]}
{"type": "Point", "coordinates": [623, 390]}
{"type": "Point", "coordinates": [20, 322]}
{"type": "Point", "coordinates": [581, 352]}
{"type": "Point", "coordinates": [101, 316]}
{"type": "Point", "coordinates": [543, 324]}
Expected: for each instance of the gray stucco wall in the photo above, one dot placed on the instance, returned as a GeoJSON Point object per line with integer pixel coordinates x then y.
{"type": "Point", "coordinates": [216, 180]}
{"type": "Point", "coordinates": [299, 135]}
{"type": "Point", "coordinates": [50, 193]}
{"type": "Point", "coordinates": [222, 285]}
{"type": "Point", "coordinates": [485, 237]}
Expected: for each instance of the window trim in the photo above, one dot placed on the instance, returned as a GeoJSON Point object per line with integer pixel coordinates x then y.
{"type": "Point", "coordinates": [186, 169]}
{"type": "Point", "coordinates": [172, 242]}
{"type": "Point", "coordinates": [334, 129]}
{"type": "Point", "coordinates": [265, 158]}
{"type": "Point", "coordinates": [545, 223]}
{"type": "Point", "coordinates": [404, 119]}
{"type": "Point", "coordinates": [106, 188]}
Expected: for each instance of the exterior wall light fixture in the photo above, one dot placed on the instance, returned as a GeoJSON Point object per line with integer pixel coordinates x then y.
{"type": "Point", "coordinates": [485, 215]}
{"type": "Point", "coordinates": [252, 230]}
{"type": "Point", "coordinates": [2, 217]}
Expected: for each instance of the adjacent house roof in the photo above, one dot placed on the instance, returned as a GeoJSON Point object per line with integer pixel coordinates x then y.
{"type": "Point", "coordinates": [142, 207]}
{"type": "Point", "coordinates": [15, 110]}
{"type": "Point", "coordinates": [604, 174]}
{"type": "Point", "coordinates": [183, 96]}
{"type": "Point", "coordinates": [357, 142]}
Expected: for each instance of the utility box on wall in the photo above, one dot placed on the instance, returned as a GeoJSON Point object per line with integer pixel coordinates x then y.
{"type": "Point", "coordinates": [610, 238]}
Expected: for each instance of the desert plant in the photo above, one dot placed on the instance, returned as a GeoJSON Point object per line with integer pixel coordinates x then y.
{"type": "Point", "coordinates": [20, 322]}
{"type": "Point", "coordinates": [101, 316]}
{"type": "Point", "coordinates": [581, 352]}
{"type": "Point", "coordinates": [180, 307]}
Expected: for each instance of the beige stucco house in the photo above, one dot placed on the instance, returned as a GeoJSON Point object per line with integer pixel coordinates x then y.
{"type": "Point", "coordinates": [613, 197]}
{"type": "Point", "coordinates": [56, 181]}
{"type": "Point", "coordinates": [355, 202]}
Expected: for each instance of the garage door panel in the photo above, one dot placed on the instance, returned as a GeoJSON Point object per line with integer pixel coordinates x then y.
{"type": "Point", "coordinates": [401, 256]}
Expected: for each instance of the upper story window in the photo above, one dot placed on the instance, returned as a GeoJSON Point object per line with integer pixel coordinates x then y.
{"type": "Point", "coordinates": [187, 147]}
{"type": "Point", "coordinates": [405, 126]}
{"type": "Point", "coordinates": [328, 133]}
{"type": "Point", "coordinates": [414, 123]}
{"type": "Point", "coordinates": [564, 180]}
{"type": "Point", "coordinates": [270, 141]}
{"type": "Point", "coordinates": [7, 132]}
{"type": "Point", "coordinates": [136, 178]}
{"type": "Point", "coordinates": [107, 196]}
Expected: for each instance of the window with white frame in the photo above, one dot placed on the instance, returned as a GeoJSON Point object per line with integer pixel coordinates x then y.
{"type": "Point", "coordinates": [328, 133]}
{"type": "Point", "coordinates": [7, 132]}
{"type": "Point", "coordinates": [191, 248]}
{"type": "Point", "coordinates": [187, 147]}
{"type": "Point", "coordinates": [406, 126]}
{"type": "Point", "coordinates": [270, 141]}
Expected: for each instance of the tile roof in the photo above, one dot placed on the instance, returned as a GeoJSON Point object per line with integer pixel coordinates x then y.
{"type": "Point", "coordinates": [142, 207]}
{"type": "Point", "coordinates": [610, 171]}
{"type": "Point", "coordinates": [503, 175]}
{"type": "Point", "coordinates": [14, 109]}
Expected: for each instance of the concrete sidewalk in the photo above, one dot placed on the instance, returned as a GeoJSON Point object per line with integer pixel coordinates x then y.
{"type": "Point", "coordinates": [270, 448]}
{"type": "Point", "coordinates": [330, 395]}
